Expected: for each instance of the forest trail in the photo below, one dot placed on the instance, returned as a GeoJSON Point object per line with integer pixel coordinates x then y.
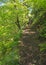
{"type": "Point", "coordinates": [29, 50]}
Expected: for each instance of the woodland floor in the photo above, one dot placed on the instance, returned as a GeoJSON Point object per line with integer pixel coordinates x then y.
{"type": "Point", "coordinates": [29, 49]}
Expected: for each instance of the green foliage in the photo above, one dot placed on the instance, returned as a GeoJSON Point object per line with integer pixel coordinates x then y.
{"type": "Point", "coordinates": [43, 32]}
{"type": "Point", "coordinates": [9, 35]}
{"type": "Point", "coordinates": [14, 14]}
{"type": "Point", "coordinates": [42, 47]}
{"type": "Point", "coordinates": [39, 16]}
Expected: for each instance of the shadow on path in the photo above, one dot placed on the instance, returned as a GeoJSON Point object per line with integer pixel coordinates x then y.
{"type": "Point", "coordinates": [29, 50]}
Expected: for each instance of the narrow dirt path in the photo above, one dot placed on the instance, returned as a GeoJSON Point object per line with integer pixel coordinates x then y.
{"type": "Point", "coordinates": [29, 50]}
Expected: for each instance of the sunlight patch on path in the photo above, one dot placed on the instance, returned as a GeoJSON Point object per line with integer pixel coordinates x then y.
{"type": "Point", "coordinates": [28, 32]}
{"type": "Point", "coordinates": [21, 43]}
